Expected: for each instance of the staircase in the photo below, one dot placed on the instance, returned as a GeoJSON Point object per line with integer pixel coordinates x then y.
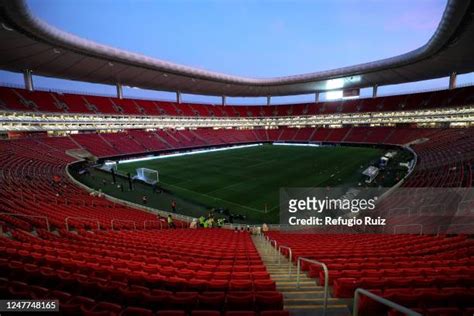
{"type": "Point", "coordinates": [306, 300]}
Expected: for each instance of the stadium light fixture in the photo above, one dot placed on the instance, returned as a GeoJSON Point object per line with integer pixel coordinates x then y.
{"type": "Point", "coordinates": [334, 84]}
{"type": "Point", "coordinates": [334, 95]}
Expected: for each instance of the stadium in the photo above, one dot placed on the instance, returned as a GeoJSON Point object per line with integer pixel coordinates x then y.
{"type": "Point", "coordinates": [340, 204]}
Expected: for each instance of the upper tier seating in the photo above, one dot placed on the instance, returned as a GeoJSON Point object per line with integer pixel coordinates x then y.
{"type": "Point", "coordinates": [40, 101]}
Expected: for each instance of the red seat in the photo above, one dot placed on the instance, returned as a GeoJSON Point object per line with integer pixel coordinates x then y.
{"type": "Point", "coordinates": [138, 311]}
{"type": "Point", "coordinates": [183, 300]}
{"type": "Point", "coordinates": [156, 300]}
{"type": "Point", "coordinates": [240, 313]}
{"type": "Point", "coordinates": [264, 285]}
{"type": "Point", "coordinates": [443, 311]}
{"type": "Point", "coordinates": [275, 313]}
{"type": "Point", "coordinates": [211, 300]}
{"type": "Point", "coordinates": [218, 285]}
{"type": "Point", "coordinates": [269, 301]}
{"type": "Point", "coordinates": [241, 285]}
{"type": "Point", "coordinates": [171, 313]}
{"type": "Point", "coordinates": [76, 305]}
{"type": "Point", "coordinates": [205, 313]}
{"type": "Point", "coordinates": [102, 309]}
{"type": "Point", "coordinates": [240, 301]}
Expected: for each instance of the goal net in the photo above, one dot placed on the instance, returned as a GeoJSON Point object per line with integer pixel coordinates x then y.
{"type": "Point", "coordinates": [149, 176]}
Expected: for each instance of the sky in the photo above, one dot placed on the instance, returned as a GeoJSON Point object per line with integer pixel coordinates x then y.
{"type": "Point", "coordinates": [250, 38]}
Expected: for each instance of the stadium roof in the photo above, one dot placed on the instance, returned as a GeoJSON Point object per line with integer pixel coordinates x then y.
{"type": "Point", "coordinates": [30, 43]}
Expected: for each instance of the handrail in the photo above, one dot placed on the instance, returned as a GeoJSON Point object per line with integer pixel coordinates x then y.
{"type": "Point", "coordinates": [290, 257]}
{"type": "Point", "coordinates": [78, 217]}
{"type": "Point", "coordinates": [275, 249]}
{"type": "Point", "coordinates": [123, 220]}
{"type": "Point", "coordinates": [326, 278]}
{"type": "Point", "coordinates": [407, 225]}
{"type": "Point", "coordinates": [450, 225]}
{"type": "Point", "coordinates": [34, 216]}
{"type": "Point", "coordinates": [151, 221]}
{"type": "Point", "coordinates": [406, 311]}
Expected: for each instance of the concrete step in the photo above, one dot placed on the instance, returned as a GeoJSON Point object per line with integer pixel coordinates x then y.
{"type": "Point", "coordinates": [311, 282]}
{"type": "Point", "coordinates": [286, 279]}
{"type": "Point", "coordinates": [308, 301]}
{"type": "Point", "coordinates": [316, 310]}
{"type": "Point", "coordinates": [293, 288]}
{"type": "Point", "coordinates": [304, 294]}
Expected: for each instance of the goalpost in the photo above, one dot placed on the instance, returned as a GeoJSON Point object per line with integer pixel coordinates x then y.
{"type": "Point", "coordinates": [149, 176]}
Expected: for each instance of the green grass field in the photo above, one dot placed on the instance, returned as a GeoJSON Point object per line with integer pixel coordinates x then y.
{"type": "Point", "coordinates": [248, 180]}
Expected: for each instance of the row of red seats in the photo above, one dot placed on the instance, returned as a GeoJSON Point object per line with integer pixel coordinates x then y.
{"type": "Point", "coordinates": [428, 268]}
{"type": "Point", "coordinates": [115, 300]}
{"type": "Point", "coordinates": [23, 100]}
{"type": "Point", "coordinates": [454, 301]}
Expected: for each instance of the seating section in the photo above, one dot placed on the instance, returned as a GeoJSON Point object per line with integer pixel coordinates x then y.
{"type": "Point", "coordinates": [35, 183]}
{"type": "Point", "coordinates": [415, 271]}
{"type": "Point", "coordinates": [35, 186]}
{"type": "Point", "coordinates": [131, 272]}
{"type": "Point", "coordinates": [41, 101]}
{"type": "Point", "coordinates": [445, 156]}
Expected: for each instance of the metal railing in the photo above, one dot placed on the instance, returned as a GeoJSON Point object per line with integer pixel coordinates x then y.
{"type": "Point", "coordinates": [448, 226]}
{"type": "Point", "coordinates": [123, 221]}
{"type": "Point", "coordinates": [408, 225]}
{"type": "Point", "coordinates": [48, 227]}
{"type": "Point", "coordinates": [381, 300]}
{"type": "Point", "coordinates": [274, 249]}
{"type": "Point", "coordinates": [66, 220]}
{"type": "Point", "coordinates": [290, 257]}
{"type": "Point", "coordinates": [326, 278]}
{"type": "Point", "coordinates": [152, 221]}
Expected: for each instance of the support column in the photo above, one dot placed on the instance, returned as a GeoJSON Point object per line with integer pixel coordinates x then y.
{"type": "Point", "coordinates": [178, 97]}
{"type": "Point", "coordinates": [374, 91]}
{"type": "Point", "coordinates": [452, 80]}
{"type": "Point", "coordinates": [269, 100]}
{"type": "Point", "coordinates": [316, 97]}
{"type": "Point", "coordinates": [119, 91]}
{"type": "Point", "coordinates": [223, 100]}
{"type": "Point", "coordinates": [28, 78]}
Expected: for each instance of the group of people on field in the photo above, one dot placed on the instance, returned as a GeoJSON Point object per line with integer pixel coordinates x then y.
{"type": "Point", "coordinates": [208, 222]}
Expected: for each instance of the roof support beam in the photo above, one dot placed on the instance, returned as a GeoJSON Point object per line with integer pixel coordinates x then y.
{"type": "Point", "coordinates": [269, 100]}
{"type": "Point", "coordinates": [178, 97]}
{"type": "Point", "coordinates": [453, 80]}
{"type": "Point", "coordinates": [119, 91]}
{"type": "Point", "coordinates": [316, 97]}
{"type": "Point", "coordinates": [224, 100]}
{"type": "Point", "coordinates": [28, 78]}
{"type": "Point", "coordinates": [374, 91]}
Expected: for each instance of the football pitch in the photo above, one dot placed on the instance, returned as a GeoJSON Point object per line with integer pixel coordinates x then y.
{"type": "Point", "coordinates": [247, 181]}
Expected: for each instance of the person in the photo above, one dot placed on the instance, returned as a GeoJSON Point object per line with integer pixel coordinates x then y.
{"type": "Point", "coordinates": [202, 220]}
{"type": "Point", "coordinates": [210, 222]}
{"type": "Point", "coordinates": [193, 224]}
{"type": "Point", "coordinates": [171, 222]}
{"type": "Point", "coordinates": [220, 222]}
{"type": "Point", "coordinates": [173, 206]}
{"type": "Point", "coordinates": [145, 199]}
{"type": "Point", "coordinates": [264, 228]}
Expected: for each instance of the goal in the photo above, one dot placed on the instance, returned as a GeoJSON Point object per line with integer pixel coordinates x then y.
{"type": "Point", "coordinates": [149, 176]}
